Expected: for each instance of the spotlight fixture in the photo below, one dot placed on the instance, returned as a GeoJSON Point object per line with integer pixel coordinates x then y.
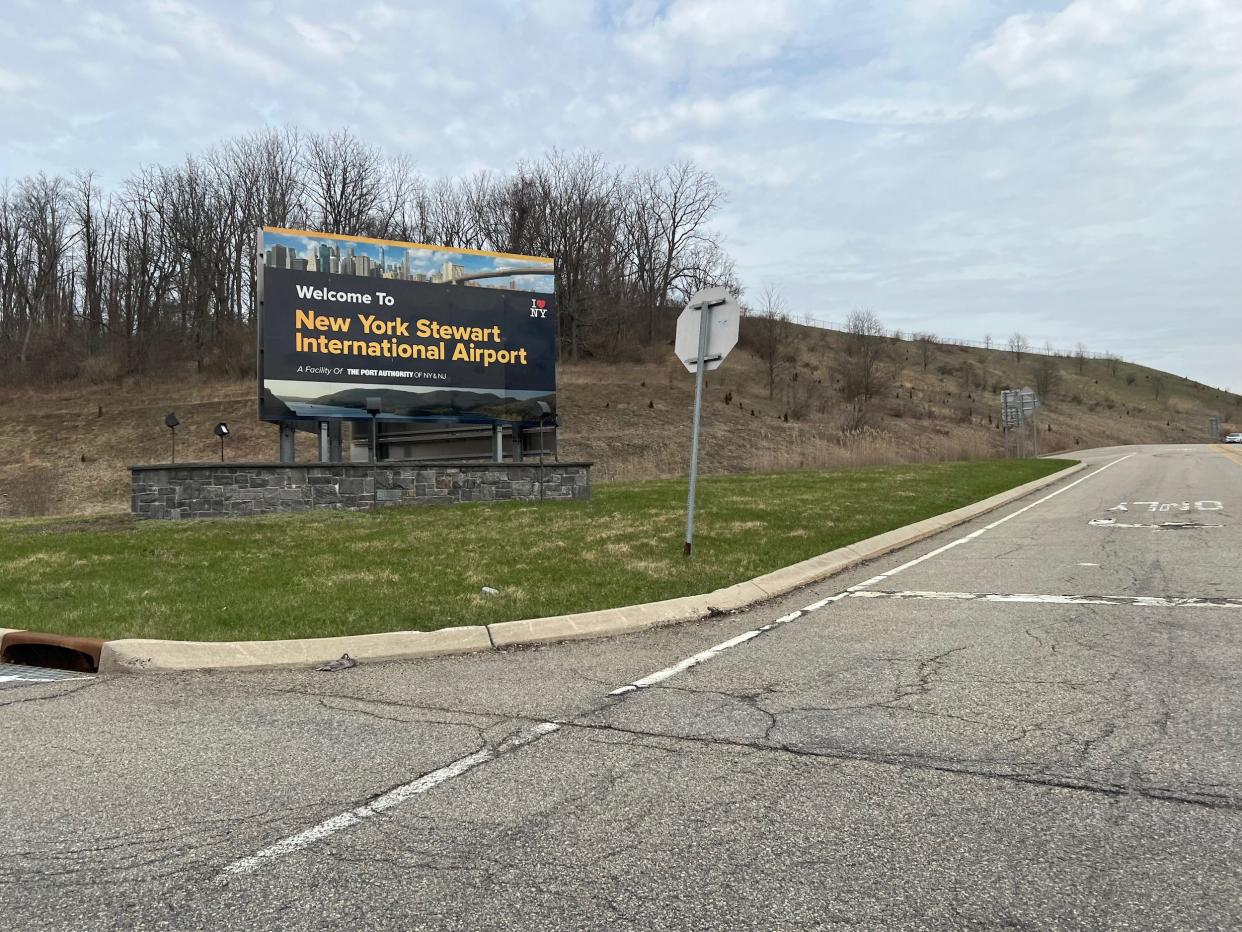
{"type": "Point", "coordinates": [171, 422]}
{"type": "Point", "coordinates": [222, 431]}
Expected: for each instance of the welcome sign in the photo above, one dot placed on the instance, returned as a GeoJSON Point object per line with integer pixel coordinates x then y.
{"type": "Point", "coordinates": [433, 332]}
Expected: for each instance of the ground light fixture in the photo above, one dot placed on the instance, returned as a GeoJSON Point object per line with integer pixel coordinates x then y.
{"type": "Point", "coordinates": [375, 404]}
{"type": "Point", "coordinates": [171, 422]}
{"type": "Point", "coordinates": [222, 431]}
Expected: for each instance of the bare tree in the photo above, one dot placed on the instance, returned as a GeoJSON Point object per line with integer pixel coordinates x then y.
{"type": "Point", "coordinates": [865, 371]}
{"type": "Point", "coordinates": [577, 207]}
{"type": "Point", "coordinates": [1018, 345]}
{"type": "Point", "coordinates": [769, 322]}
{"type": "Point", "coordinates": [352, 188]}
{"type": "Point", "coordinates": [162, 268]}
{"type": "Point", "coordinates": [925, 343]}
{"type": "Point", "coordinates": [666, 220]}
{"type": "Point", "coordinates": [1080, 358]}
{"type": "Point", "coordinates": [706, 266]}
{"type": "Point", "coordinates": [987, 341]}
{"type": "Point", "coordinates": [968, 376]}
{"type": "Point", "coordinates": [45, 292]}
{"type": "Point", "coordinates": [1047, 376]}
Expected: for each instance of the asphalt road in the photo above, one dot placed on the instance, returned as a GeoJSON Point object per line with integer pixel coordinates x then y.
{"type": "Point", "coordinates": [1029, 722]}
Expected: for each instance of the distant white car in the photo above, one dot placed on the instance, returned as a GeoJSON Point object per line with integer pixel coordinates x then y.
{"type": "Point", "coordinates": [1233, 438]}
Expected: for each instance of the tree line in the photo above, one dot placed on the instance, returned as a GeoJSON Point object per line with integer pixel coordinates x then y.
{"type": "Point", "coordinates": [161, 270]}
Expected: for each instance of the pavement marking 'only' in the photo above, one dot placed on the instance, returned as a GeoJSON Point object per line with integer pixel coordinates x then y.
{"type": "Point", "coordinates": [1151, 601]}
{"type": "Point", "coordinates": [1162, 526]}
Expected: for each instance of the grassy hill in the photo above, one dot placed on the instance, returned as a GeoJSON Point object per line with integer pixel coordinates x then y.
{"type": "Point", "coordinates": [65, 447]}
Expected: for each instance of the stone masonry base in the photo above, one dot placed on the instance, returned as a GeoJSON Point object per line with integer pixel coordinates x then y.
{"type": "Point", "coordinates": [219, 490]}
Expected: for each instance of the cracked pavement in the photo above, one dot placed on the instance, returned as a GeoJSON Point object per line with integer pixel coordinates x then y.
{"type": "Point", "coordinates": [875, 764]}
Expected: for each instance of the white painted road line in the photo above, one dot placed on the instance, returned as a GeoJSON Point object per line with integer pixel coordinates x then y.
{"type": "Point", "coordinates": [390, 800]}
{"type": "Point", "coordinates": [681, 666]}
{"type": "Point", "coordinates": [401, 794]}
{"type": "Point", "coordinates": [983, 530]}
{"type": "Point", "coordinates": [1143, 600]}
{"type": "Point", "coordinates": [661, 675]}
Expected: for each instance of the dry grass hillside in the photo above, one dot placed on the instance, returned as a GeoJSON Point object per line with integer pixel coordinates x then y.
{"type": "Point", "coordinates": [64, 448]}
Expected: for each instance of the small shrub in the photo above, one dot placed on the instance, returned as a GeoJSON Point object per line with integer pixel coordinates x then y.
{"type": "Point", "coordinates": [101, 368]}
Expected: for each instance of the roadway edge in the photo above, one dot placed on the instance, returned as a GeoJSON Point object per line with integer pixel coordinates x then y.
{"type": "Point", "coordinates": [136, 655]}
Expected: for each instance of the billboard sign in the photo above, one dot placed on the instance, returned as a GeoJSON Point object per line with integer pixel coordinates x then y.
{"type": "Point", "coordinates": [435, 333]}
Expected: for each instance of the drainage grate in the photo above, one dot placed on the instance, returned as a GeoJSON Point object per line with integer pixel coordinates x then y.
{"type": "Point", "coordinates": [18, 674]}
{"type": "Point", "coordinates": [51, 651]}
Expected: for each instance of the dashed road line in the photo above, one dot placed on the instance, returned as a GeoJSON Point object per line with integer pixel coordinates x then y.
{"type": "Point", "coordinates": [682, 665]}
{"type": "Point", "coordinates": [390, 800]}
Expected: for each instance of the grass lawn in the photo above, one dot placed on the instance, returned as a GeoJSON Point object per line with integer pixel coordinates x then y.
{"type": "Point", "coordinates": [422, 568]}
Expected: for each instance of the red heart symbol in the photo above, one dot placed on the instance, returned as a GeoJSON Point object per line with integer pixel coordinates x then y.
{"type": "Point", "coordinates": [541, 302]}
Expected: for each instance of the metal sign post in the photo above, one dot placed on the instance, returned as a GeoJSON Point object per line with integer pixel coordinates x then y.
{"type": "Point", "coordinates": [1029, 404]}
{"type": "Point", "coordinates": [706, 331]}
{"type": "Point", "coordinates": [700, 372]}
{"type": "Point", "coordinates": [1019, 408]}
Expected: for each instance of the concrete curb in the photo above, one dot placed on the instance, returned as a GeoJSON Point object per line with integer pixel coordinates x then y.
{"type": "Point", "coordinates": [760, 589]}
{"type": "Point", "coordinates": [133, 654]}
{"type": "Point", "coordinates": [143, 654]}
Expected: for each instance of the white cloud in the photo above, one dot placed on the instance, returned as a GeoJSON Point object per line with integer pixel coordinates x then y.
{"type": "Point", "coordinates": [1063, 167]}
{"type": "Point", "coordinates": [325, 43]}
{"type": "Point", "coordinates": [912, 111]}
{"type": "Point", "coordinates": [1110, 47]}
{"type": "Point", "coordinates": [702, 113]}
{"type": "Point", "coordinates": [720, 34]}
{"type": "Point", "coordinates": [10, 82]}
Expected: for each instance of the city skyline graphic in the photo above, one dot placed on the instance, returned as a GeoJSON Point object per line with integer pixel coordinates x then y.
{"type": "Point", "coordinates": [315, 252]}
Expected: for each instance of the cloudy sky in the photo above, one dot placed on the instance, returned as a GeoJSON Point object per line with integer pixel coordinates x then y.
{"type": "Point", "coordinates": [1071, 169]}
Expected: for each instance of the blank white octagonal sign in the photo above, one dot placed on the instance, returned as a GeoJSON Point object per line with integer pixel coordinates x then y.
{"type": "Point", "coordinates": [724, 324]}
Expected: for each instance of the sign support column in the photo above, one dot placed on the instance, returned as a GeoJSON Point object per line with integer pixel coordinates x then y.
{"type": "Point", "coordinates": [700, 374]}
{"type": "Point", "coordinates": [707, 331]}
{"type": "Point", "coordinates": [287, 452]}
